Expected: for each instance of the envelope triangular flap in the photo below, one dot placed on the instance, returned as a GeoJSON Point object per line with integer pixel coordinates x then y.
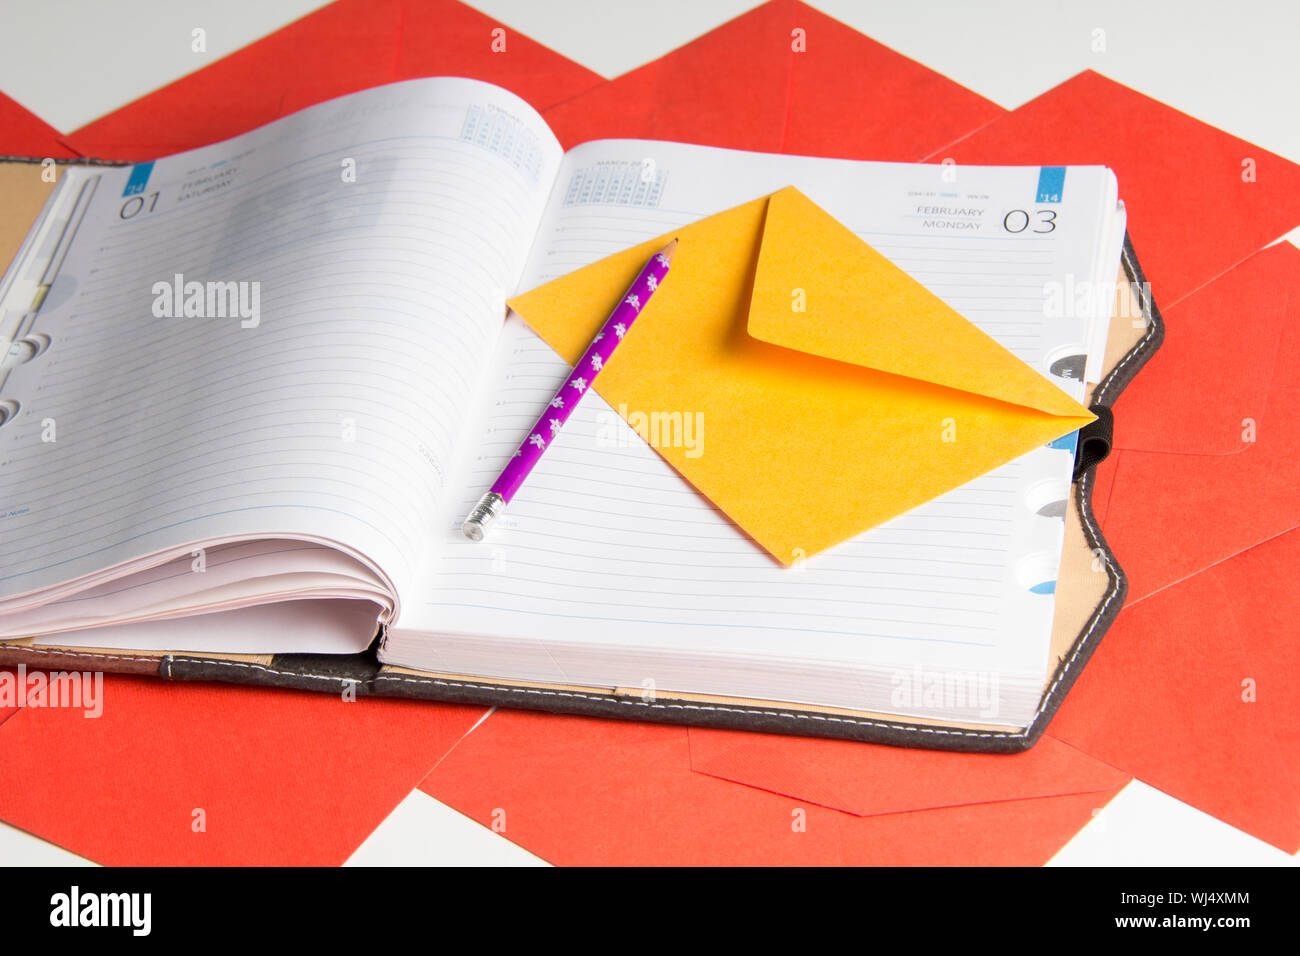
{"type": "Point", "coordinates": [818, 288]}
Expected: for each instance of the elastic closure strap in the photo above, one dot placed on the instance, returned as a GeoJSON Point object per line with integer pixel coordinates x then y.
{"type": "Point", "coordinates": [1095, 440]}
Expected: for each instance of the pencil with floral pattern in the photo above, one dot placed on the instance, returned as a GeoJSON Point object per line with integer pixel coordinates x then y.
{"type": "Point", "coordinates": [570, 393]}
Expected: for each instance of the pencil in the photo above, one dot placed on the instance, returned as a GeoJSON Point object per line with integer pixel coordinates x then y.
{"type": "Point", "coordinates": [577, 383]}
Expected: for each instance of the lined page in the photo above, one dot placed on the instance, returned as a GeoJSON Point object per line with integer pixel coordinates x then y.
{"type": "Point", "coordinates": [378, 233]}
{"type": "Point", "coordinates": [962, 583]}
{"type": "Point", "coordinates": [288, 627]}
{"type": "Point", "coordinates": [229, 576]}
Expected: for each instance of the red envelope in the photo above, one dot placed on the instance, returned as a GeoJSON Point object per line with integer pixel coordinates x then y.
{"type": "Point", "coordinates": [445, 38]}
{"type": "Point", "coordinates": [348, 46]}
{"type": "Point", "coordinates": [1205, 535]}
{"type": "Point", "coordinates": [868, 779]}
{"type": "Point", "coordinates": [855, 98]}
{"type": "Point", "coordinates": [1103, 483]}
{"type": "Point", "coordinates": [1196, 691]}
{"type": "Point", "coordinates": [23, 133]}
{"type": "Point", "coordinates": [1191, 215]}
{"type": "Point", "coordinates": [282, 777]}
{"type": "Point", "coordinates": [1223, 341]}
{"type": "Point", "coordinates": [576, 790]}
{"type": "Point", "coordinates": [744, 86]}
{"type": "Point", "coordinates": [1223, 374]}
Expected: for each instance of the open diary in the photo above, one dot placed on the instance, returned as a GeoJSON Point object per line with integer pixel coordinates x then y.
{"type": "Point", "coordinates": [253, 390]}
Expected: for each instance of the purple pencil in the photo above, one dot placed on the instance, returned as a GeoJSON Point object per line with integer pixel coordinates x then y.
{"type": "Point", "coordinates": [570, 393]}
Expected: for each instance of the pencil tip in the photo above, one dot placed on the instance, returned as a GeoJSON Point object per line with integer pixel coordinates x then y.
{"type": "Point", "coordinates": [667, 251]}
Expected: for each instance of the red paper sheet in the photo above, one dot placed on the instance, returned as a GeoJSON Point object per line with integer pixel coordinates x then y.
{"type": "Point", "coordinates": [445, 38]}
{"type": "Point", "coordinates": [1204, 536]}
{"type": "Point", "coordinates": [581, 791]}
{"type": "Point", "coordinates": [284, 777]}
{"type": "Point", "coordinates": [868, 779]}
{"type": "Point", "coordinates": [1190, 214]}
{"type": "Point", "coordinates": [348, 46]}
{"type": "Point", "coordinates": [743, 86]}
{"type": "Point", "coordinates": [1232, 347]}
{"type": "Point", "coordinates": [1166, 695]}
{"type": "Point", "coordinates": [1102, 485]}
{"type": "Point", "coordinates": [1222, 342]}
{"type": "Point", "coordinates": [23, 133]}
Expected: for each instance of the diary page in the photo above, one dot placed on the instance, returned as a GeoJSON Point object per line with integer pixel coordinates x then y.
{"type": "Point", "coordinates": [608, 546]}
{"type": "Point", "coordinates": [274, 336]}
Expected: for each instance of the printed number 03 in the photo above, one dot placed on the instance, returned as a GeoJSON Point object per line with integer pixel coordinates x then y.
{"type": "Point", "coordinates": [1017, 221]}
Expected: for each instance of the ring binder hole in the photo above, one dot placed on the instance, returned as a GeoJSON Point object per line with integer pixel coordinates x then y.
{"type": "Point", "coordinates": [8, 409]}
{"type": "Point", "coordinates": [1037, 572]}
{"type": "Point", "coordinates": [1068, 362]}
{"type": "Point", "coordinates": [18, 353]}
{"type": "Point", "coordinates": [1048, 498]}
{"type": "Point", "coordinates": [24, 350]}
{"type": "Point", "coordinates": [40, 342]}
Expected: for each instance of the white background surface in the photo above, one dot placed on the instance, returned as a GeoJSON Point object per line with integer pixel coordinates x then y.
{"type": "Point", "coordinates": [1233, 65]}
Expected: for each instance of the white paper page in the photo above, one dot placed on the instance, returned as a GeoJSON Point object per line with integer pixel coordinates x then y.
{"type": "Point", "coordinates": [288, 627]}
{"type": "Point", "coordinates": [1103, 303]}
{"type": "Point", "coordinates": [378, 233]}
{"type": "Point", "coordinates": [240, 573]}
{"type": "Point", "coordinates": [960, 584]}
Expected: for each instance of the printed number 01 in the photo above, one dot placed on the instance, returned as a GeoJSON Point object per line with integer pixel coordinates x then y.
{"type": "Point", "coordinates": [135, 204]}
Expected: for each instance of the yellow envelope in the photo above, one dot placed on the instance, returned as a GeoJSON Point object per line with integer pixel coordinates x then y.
{"type": "Point", "coordinates": [836, 392]}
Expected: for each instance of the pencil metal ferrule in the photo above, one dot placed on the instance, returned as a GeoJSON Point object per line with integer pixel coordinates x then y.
{"type": "Point", "coordinates": [484, 513]}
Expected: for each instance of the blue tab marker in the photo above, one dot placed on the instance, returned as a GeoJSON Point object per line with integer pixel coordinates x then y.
{"type": "Point", "coordinates": [1065, 442]}
{"type": "Point", "coordinates": [138, 179]}
{"type": "Point", "coordinates": [1051, 184]}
